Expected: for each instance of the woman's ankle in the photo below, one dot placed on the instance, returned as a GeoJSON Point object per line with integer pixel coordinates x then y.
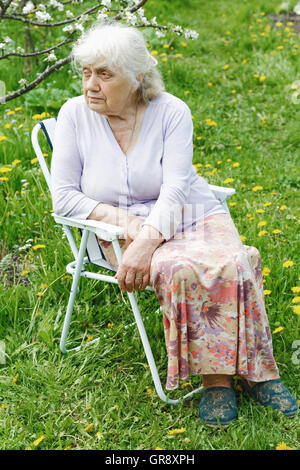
{"type": "Point", "coordinates": [216, 380]}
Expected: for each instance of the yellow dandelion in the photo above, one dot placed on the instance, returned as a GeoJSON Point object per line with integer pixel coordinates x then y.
{"type": "Point", "coordinates": [232, 204]}
{"type": "Point", "coordinates": [260, 211]}
{"type": "Point", "coordinates": [173, 432]}
{"type": "Point", "coordinates": [3, 178]}
{"type": "Point", "coordinates": [276, 231]}
{"type": "Point", "coordinates": [24, 272]}
{"type": "Point", "coordinates": [38, 247]}
{"type": "Point", "coordinates": [8, 125]}
{"type": "Point", "coordinates": [283, 207]}
{"type": "Point", "coordinates": [267, 292]}
{"type": "Point", "coordinates": [38, 440]}
{"type": "Point", "coordinates": [288, 264]}
{"type": "Point", "coordinates": [243, 238]}
{"type": "Point", "coordinates": [3, 406]}
{"type": "Point", "coordinates": [18, 108]}
{"type": "Point", "coordinates": [228, 180]}
{"type": "Point", "coordinates": [296, 289]}
{"type": "Point", "coordinates": [280, 48]}
{"type": "Point", "coordinates": [236, 165]}
{"type": "Point", "coordinates": [110, 325]}
{"type": "Point", "coordinates": [296, 309]}
{"type": "Point", "coordinates": [262, 233]}
{"type": "Point", "coordinates": [5, 169]}
{"type": "Point", "coordinates": [278, 330]}
{"type": "Point", "coordinates": [15, 162]}
{"type": "Point", "coordinates": [210, 122]}
{"type": "Point", "coordinates": [257, 188]}
{"type": "Point", "coordinates": [178, 55]}
{"type": "Point", "coordinates": [262, 78]}
{"type": "Point", "coordinates": [283, 446]}
{"type": "Point", "coordinates": [149, 392]}
{"type": "Point", "coordinates": [226, 67]}
{"type": "Point", "coordinates": [15, 379]}
{"type": "Point", "coordinates": [267, 204]}
{"type": "Point", "coordinates": [296, 300]}
{"type": "Point", "coordinates": [186, 384]}
{"type": "Point", "coordinates": [89, 428]}
{"type": "Point", "coordinates": [262, 223]}
{"type": "Point", "coordinates": [34, 160]}
{"type": "Point", "coordinates": [3, 138]}
{"type": "Point", "coordinates": [99, 434]}
{"type": "Point", "coordinates": [89, 338]}
{"type": "Point", "coordinates": [239, 147]}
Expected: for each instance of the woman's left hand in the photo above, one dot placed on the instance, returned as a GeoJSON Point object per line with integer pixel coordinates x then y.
{"type": "Point", "coordinates": [134, 270]}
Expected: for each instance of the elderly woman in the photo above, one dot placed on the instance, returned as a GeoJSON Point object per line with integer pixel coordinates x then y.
{"type": "Point", "coordinates": [123, 154]}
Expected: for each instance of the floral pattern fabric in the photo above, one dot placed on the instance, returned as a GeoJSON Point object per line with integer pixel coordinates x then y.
{"type": "Point", "coordinates": [211, 292]}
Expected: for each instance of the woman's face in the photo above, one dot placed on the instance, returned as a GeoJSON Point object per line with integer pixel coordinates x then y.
{"type": "Point", "coordinates": [105, 91]}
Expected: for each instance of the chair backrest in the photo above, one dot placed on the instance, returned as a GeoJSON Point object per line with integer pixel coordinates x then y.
{"type": "Point", "coordinates": [94, 251]}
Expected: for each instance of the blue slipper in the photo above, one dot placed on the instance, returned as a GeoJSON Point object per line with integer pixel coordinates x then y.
{"type": "Point", "coordinates": [273, 393]}
{"type": "Point", "coordinates": [218, 406]}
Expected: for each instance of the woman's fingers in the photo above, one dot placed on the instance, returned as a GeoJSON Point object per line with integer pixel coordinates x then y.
{"type": "Point", "coordinates": [132, 280]}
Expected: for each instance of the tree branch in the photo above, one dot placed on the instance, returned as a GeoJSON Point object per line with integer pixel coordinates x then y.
{"type": "Point", "coordinates": [39, 79]}
{"type": "Point", "coordinates": [45, 51]}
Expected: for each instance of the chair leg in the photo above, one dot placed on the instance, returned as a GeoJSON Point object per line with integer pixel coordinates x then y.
{"type": "Point", "coordinates": [146, 344]}
{"type": "Point", "coordinates": [74, 290]}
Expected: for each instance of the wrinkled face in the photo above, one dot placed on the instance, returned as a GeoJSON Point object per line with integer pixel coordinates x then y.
{"type": "Point", "coordinates": [106, 92]}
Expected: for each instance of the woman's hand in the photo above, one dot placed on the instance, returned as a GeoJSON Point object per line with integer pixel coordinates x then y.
{"type": "Point", "coordinates": [134, 270]}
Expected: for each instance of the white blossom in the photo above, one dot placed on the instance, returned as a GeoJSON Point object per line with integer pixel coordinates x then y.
{"type": "Point", "coordinates": [297, 9]}
{"type": "Point", "coordinates": [68, 28]}
{"type": "Point", "coordinates": [79, 27]}
{"type": "Point", "coordinates": [130, 18]}
{"type": "Point", "coordinates": [56, 4]}
{"type": "Point", "coordinates": [69, 14]}
{"type": "Point", "coordinates": [160, 34]}
{"type": "Point", "coordinates": [22, 81]}
{"type": "Point", "coordinates": [101, 16]}
{"type": "Point", "coordinates": [43, 16]}
{"type": "Point", "coordinates": [28, 7]}
{"type": "Point", "coordinates": [7, 39]}
{"type": "Point", "coordinates": [2, 45]}
{"type": "Point", "coordinates": [106, 3]}
{"type": "Point", "coordinates": [178, 30]}
{"type": "Point", "coordinates": [190, 34]}
{"type": "Point", "coordinates": [153, 21]}
{"type": "Point", "coordinates": [51, 57]}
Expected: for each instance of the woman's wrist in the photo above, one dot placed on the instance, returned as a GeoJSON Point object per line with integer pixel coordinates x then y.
{"type": "Point", "coordinates": [149, 236]}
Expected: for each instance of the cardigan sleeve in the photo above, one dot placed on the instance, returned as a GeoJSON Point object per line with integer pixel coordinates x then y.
{"type": "Point", "coordinates": [167, 212]}
{"type": "Point", "coordinates": [66, 168]}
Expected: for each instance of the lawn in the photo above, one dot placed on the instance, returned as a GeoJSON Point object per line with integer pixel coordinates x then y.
{"type": "Point", "coordinates": [240, 79]}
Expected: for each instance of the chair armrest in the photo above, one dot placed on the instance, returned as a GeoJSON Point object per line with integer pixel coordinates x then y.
{"type": "Point", "coordinates": [221, 193]}
{"type": "Point", "coordinates": [104, 231]}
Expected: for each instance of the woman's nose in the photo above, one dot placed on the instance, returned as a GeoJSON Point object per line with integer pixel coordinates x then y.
{"type": "Point", "coordinates": [92, 83]}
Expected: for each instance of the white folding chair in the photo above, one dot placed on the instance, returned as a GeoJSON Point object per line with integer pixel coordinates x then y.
{"type": "Point", "coordinates": [90, 231]}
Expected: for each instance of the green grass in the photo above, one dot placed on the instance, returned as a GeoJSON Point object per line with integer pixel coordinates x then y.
{"type": "Point", "coordinates": [45, 393]}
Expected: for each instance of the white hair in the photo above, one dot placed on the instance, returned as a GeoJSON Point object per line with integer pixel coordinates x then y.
{"type": "Point", "coordinates": [123, 50]}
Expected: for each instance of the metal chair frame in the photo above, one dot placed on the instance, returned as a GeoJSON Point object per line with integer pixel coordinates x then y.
{"type": "Point", "coordinates": [90, 231]}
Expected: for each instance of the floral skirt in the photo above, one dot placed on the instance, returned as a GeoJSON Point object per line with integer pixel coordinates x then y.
{"type": "Point", "coordinates": [211, 293]}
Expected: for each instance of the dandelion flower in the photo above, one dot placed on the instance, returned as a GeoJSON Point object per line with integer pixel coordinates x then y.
{"type": "Point", "coordinates": [296, 289]}
{"type": "Point", "coordinates": [267, 292]}
{"type": "Point", "coordinates": [38, 247]}
{"type": "Point", "coordinates": [38, 440]}
{"type": "Point", "coordinates": [89, 428]}
{"type": "Point", "coordinates": [262, 233]}
{"type": "Point", "coordinates": [5, 169]}
{"type": "Point", "coordinates": [173, 432]}
{"type": "Point", "coordinates": [288, 264]}
{"type": "Point", "coordinates": [228, 180]}
{"type": "Point", "coordinates": [257, 188]}
{"type": "Point", "coordinates": [296, 309]}
{"type": "Point", "coordinates": [277, 330]}
{"type": "Point", "coordinates": [236, 165]}
{"type": "Point", "coordinates": [260, 211]}
{"type": "Point", "coordinates": [262, 223]}
{"type": "Point", "coordinates": [276, 231]}
{"type": "Point", "coordinates": [3, 138]}
{"type": "Point", "coordinates": [282, 208]}
{"type": "Point", "coordinates": [283, 446]}
{"type": "Point", "coordinates": [243, 238]}
{"type": "Point", "coordinates": [296, 300]}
